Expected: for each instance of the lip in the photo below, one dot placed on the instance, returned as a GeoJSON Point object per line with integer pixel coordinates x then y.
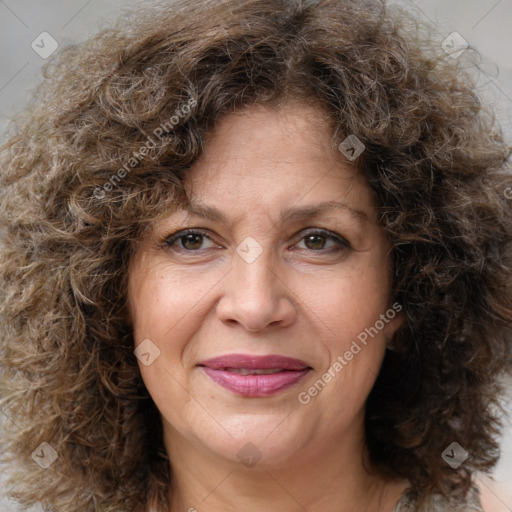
{"type": "Point", "coordinates": [291, 371]}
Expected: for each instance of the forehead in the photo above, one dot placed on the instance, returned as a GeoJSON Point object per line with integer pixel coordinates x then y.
{"type": "Point", "coordinates": [259, 155]}
{"type": "Point", "coordinates": [292, 132]}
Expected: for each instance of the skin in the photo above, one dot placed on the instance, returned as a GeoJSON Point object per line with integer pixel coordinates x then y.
{"type": "Point", "coordinates": [303, 297]}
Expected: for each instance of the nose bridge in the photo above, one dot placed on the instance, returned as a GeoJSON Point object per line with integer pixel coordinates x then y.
{"type": "Point", "coordinates": [253, 266]}
{"type": "Point", "coordinates": [254, 296]}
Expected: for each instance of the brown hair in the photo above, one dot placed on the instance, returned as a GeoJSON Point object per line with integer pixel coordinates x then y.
{"type": "Point", "coordinates": [78, 191]}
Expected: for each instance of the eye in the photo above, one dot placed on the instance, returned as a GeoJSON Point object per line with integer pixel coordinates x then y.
{"type": "Point", "coordinates": [192, 240]}
{"type": "Point", "coordinates": [315, 240]}
{"type": "Point", "coordinates": [189, 240]}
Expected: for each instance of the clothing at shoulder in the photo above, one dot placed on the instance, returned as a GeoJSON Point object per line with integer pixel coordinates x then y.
{"type": "Point", "coordinates": [436, 503]}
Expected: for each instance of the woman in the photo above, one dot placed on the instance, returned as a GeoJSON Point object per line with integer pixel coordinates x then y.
{"type": "Point", "coordinates": [256, 256]}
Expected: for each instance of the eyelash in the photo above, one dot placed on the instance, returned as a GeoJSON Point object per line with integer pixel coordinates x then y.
{"type": "Point", "coordinates": [343, 244]}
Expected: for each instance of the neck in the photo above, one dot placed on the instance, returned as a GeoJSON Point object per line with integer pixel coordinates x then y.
{"type": "Point", "coordinates": [313, 480]}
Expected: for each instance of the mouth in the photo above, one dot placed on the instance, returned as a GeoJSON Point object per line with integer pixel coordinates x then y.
{"type": "Point", "coordinates": [255, 376]}
{"type": "Point", "coordinates": [256, 371]}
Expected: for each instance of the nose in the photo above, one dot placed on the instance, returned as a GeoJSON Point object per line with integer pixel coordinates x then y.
{"type": "Point", "coordinates": [255, 297]}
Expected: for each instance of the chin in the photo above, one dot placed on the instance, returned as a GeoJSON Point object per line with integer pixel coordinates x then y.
{"type": "Point", "coordinates": [267, 442]}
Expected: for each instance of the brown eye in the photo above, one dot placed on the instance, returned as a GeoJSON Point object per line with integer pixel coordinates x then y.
{"type": "Point", "coordinates": [188, 240]}
{"type": "Point", "coordinates": [192, 241]}
{"type": "Point", "coordinates": [317, 240]}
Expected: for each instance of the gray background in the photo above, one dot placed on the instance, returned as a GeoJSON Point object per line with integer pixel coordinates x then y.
{"type": "Point", "coordinates": [485, 24]}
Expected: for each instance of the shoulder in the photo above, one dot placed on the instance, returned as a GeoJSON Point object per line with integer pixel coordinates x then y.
{"type": "Point", "coordinates": [437, 503]}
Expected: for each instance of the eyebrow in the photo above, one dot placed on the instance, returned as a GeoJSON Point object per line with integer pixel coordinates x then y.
{"type": "Point", "coordinates": [290, 214]}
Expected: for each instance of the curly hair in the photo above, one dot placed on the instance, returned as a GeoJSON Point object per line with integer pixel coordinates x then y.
{"type": "Point", "coordinates": [101, 153]}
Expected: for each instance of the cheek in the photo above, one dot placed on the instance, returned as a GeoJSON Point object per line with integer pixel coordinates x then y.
{"type": "Point", "coordinates": [352, 301]}
{"type": "Point", "coordinates": [349, 309]}
{"type": "Point", "coordinates": [161, 299]}
{"type": "Point", "coordinates": [161, 309]}
{"type": "Point", "coordinates": [167, 307]}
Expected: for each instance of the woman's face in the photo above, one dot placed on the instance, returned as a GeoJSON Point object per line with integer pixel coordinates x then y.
{"type": "Point", "coordinates": [286, 260]}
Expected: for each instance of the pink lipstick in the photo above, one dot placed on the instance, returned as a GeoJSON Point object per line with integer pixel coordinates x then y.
{"type": "Point", "coordinates": [255, 376]}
